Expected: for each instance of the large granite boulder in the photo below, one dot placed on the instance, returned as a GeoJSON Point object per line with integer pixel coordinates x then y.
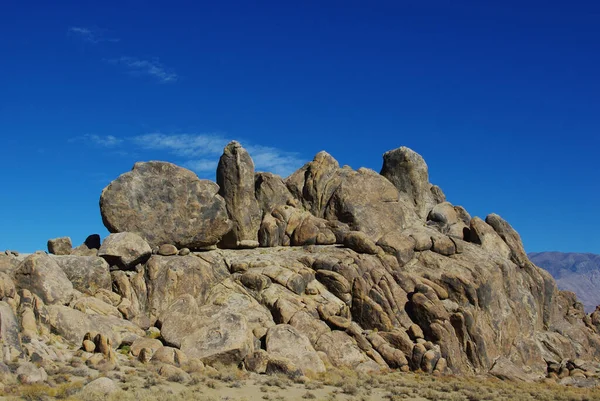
{"type": "Point", "coordinates": [235, 177]}
{"type": "Point", "coordinates": [41, 275]}
{"type": "Point", "coordinates": [88, 274]}
{"type": "Point", "coordinates": [165, 204]}
{"type": "Point", "coordinates": [285, 341]}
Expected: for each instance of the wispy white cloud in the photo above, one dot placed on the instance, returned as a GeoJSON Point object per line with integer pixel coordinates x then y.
{"type": "Point", "coordinates": [201, 152]}
{"type": "Point", "coordinates": [152, 68]}
{"type": "Point", "coordinates": [91, 35]}
{"type": "Point", "coordinates": [184, 145]}
{"type": "Point", "coordinates": [201, 166]}
{"type": "Point", "coordinates": [107, 141]}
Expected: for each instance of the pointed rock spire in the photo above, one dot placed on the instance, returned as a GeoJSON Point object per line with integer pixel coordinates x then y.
{"type": "Point", "coordinates": [235, 176]}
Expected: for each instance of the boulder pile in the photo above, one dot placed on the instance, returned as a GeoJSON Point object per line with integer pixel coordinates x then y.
{"type": "Point", "coordinates": [330, 267]}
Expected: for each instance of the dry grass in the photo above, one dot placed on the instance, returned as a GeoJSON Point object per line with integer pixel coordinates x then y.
{"type": "Point", "coordinates": [226, 382]}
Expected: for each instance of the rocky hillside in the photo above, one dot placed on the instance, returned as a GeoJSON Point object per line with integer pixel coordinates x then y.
{"type": "Point", "coordinates": [331, 267]}
{"type": "Point", "coordinates": [576, 272]}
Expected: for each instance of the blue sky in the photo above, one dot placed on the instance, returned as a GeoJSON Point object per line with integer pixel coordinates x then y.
{"type": "Point", "coordinates": [502, 100]}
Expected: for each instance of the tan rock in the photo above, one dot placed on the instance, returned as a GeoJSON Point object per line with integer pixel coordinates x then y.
{"type": "Point", "coordinates": [235, 177]}
{"type": "Point", "coordinates": [167, 250]}
{"type": "Point", "coordinates": [125, 250]}
{"type": "Point", "coordinates": [60, 246]}
{"type": "Point", "coordinates": [147, 343]}
{"type": "Point", "coordinates": [285, 341]}
{"type": "Point", "coordinates": [88, 346]}
{"type": "Point", "coordinates": [164, 203]}
{"type": "Point", "coordinates": [173, 374]}
{"type": "Point", "coordinates": [169, 355]}
{"type": "Point", "coordinates": [40, 274]}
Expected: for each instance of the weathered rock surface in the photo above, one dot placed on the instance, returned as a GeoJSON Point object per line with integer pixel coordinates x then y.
{"type": "Point", "coordinates": [73, 325]}
{"type": "Point", "coordinates": [271, 191]}
{"type": "Point", "coordinates": [235, 177]}
{"type": "Point", "coordinates": [408, 172]}
{"type": "Point", "coordinates": [124, 250]}
{"type": "Point", "coordinates": [88, 274]}
{"type": "Point", "coordinates": [285, 341]}
{"type": "Point", "coordinates": [166, 204]}
{"type": "Point", "coordinates": [167, 278]}
{"type": "Point", "coordinates": [40, 274]}
{"type": "Point", "coordinates": [60, 246]}
{"type": "Point", "coordinates": [226, 338]}
{"type": "Point", "coordinates": [9, 328]}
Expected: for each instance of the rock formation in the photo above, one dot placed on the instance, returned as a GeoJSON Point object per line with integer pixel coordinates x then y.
{"type": "Point", "coordinates": [166, 204]}
{"type": "Point", "coordinates": [356, 269]}
{"type": "Point", "coordinates": [235, 177]}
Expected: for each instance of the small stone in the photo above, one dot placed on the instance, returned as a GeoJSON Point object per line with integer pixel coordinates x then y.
{"type": "Point", "coordinates": [415, 332]}
{"type": "Point", "coordinates": [260, 332]}
{"type": "Point", "coordinates": [194, 365]}
{"type": "Point", "coordinates": [153, 332]}
{"type": "Point", "coordinates": [100, 387]}
{"type": "Point", "coordinates": [173, 374]}
{"type": "Point", "coordinates": [184, 251]}
{"type": "Point", "coordinates": [360, 242]}
{"type": "Point", "coordinates": [255, 281]}
{"type": "Point", "coordinates": [169, 355]}
{"type": "Point", "coordinates": [145, 355]}
{"type": "Point", "coordinates": [88, 346]}
{"type": "Point", "coordinates": [247, 244]}
{"type": "Point", "coordinates": [103, 344]}
{"type": "Point", "coordinates": [60, 246]}
{"type": "Point", "coordinates": [125, 250]}
{"type": "Point", "coordinates": [238, 267]}
{"type": "Point", "coordinates": [311, 289]}
{"type": "Point", "coordinates": [144, 343]}
{"type": "Point", "coordinates": [167, 250]}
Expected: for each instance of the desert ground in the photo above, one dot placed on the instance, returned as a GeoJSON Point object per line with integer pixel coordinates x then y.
{"type": "Point", "coordinates": [230, 383]}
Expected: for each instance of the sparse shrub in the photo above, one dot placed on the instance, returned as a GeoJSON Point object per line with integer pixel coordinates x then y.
{"type": "Point", "coordinates": [350, 389]}
{"type": "Point", "coordinates": [313, 385]}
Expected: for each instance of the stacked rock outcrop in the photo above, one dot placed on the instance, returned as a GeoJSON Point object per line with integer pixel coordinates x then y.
{"type": "Point", "coordinates": [355, 269]}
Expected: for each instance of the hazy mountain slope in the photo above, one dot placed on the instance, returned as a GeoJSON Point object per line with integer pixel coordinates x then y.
{"type": "Point", "coordinates": [577, 272]}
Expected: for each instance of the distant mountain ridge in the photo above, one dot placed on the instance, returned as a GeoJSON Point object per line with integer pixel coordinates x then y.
{"type": "Point", "coordinates": [577, 272]}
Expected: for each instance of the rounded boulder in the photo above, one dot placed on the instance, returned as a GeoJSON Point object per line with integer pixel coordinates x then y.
{"type": "Point", "coordinates": [165, 204]}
